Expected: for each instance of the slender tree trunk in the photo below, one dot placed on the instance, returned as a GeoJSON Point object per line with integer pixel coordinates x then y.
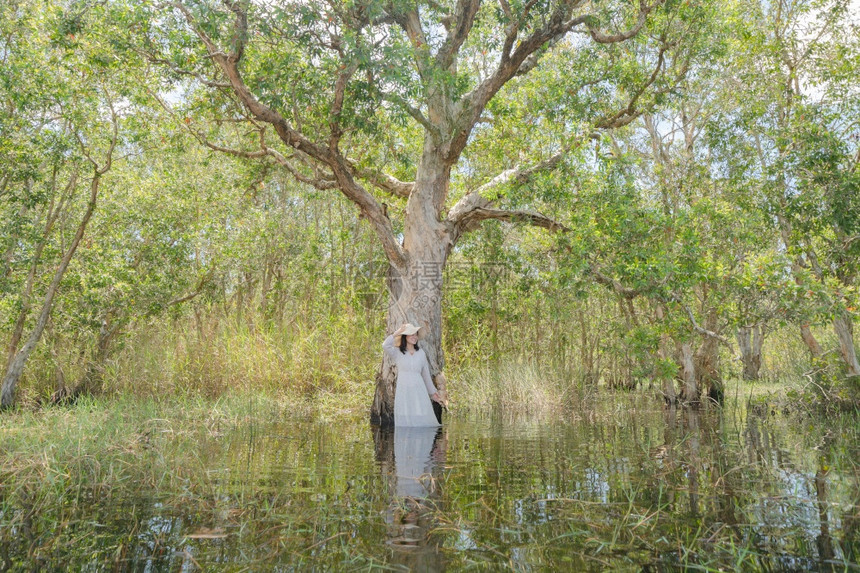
{"type": "Point", "coordinates": [266, 287]}
{"type": "Point", "coordinates": [824, 541]}
{"type": "Point", "coordinates": [844, 328]}
{"type": "Point", "coordinates": [16, 365]}
{"type": "Point", "coordinates": [691, 419]}
{"type": "Point", "coordinates": [806, 335]}
{"type": "Point", "coordinates": [811, 343]}
{"type": "Point", "coordinates": [750, 341]}
{"type": "Point", "coordinates": [707, 360]}
{"type": "Point", "coordinates": [538, 327]}
{"type": "Point", "coordinates": [690, 393]}
{"type": "Point", "coordinates": [25, 305]}
{"type": "Point", "coordinates": [12, 244]}
{"type": "Point", "coordinates": [586, 350]}
{"type": "Point", "coordinates": [52, 213]}
{"type": "Point", "coordinates": [669, 394]}
{"type": "Point", "coordinates": [93, 376]}
{"type": "Point", "coordinates": [494, 324]}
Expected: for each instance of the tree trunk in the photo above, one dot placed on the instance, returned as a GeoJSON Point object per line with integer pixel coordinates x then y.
{"type": "Point", "coordinates": [265, 288]}
{"type": "Point", "coordinates": [415, 297]}
{"type": "Point", "coordinates": [823, 540]}
{"type": "Point", "coordinates": [690, 392]}
{"type": "Point", "coordinates": [844, 328]}
{"type": "Point", "coordinates": [587, 350]}
{"type": "Point", "coordinates": [16, 365]}
{"type": "Point", "coordinates": [809, 340]}
{"type": "Point", "coordinates": [415, 284]}
{"type": "Point", "coordinates": [707, 360]}
{"type": "Point", "coordinates": [815, 351]}
{"type": "Point", "coordinates": [669, 395]}
{"type": "Point", "coordinates": [54, 209]}
{"type": "Point", "coordinates": [663, 352]}
{"type": "Point", "coordinates": [694, 465]}
{"type": "Point", "coordinates": [750, 340]}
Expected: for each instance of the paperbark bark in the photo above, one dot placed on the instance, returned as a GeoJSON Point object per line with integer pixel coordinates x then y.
{"type": "Point", "coordinates": [844, 328]}
{"type": "Point", "coordinates": [810, 341]}
{"type": "Point", "coordinates": [750, 341]}
{"type": "Point", "coordinates": [415, 288]}
{"type": "Point", "coordinates": [707, 360]}
{"type": "Point", "coordinates": [690, 392]}
{"type": "Point", "coordinates": [414, 297]}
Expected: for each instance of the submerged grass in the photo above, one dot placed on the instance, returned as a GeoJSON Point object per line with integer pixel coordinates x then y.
{"type": "Point", "coordinates": [106, 453]}
{"type": "Point", "coordinates": [629, 485]}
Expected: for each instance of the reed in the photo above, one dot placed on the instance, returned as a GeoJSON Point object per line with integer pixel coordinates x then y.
{"type": "Point", "coordinates": [334, 361]}
{"type": "Point", "coordinates": [332, 353]}
{"type": "Point", "coordinates": [514, 387]}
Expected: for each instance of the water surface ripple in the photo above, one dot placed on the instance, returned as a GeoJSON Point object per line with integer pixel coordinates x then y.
{"type": "Point", "coordinates": [622, 484]}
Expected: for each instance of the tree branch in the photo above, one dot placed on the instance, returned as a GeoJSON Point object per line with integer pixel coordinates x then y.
{"type": "Point", "coordinates": [477, 199]}
{"type": "Point", "coordinates": [411, 24]}
{"type": "Point", "coordinates": [229, 64]}
{"type": "Point", "coordinates": [414, 112]}
{"type": "Point", "coordinates": [384, 181]}
{"type": "Point", "coordinates": [524, 57]}
{"type": "Point", "coordinates": [151, 58]}
{"type": "Point", "coordinates": [473, 220]}
{"type": "Point", "coordinates": [197, 290]}
{"type": "Point", "coordinates": [626, 115]}
{"type": "Point", "coordinates": [472, 105]}
{"type": "Point", "coordinates": [695, 325]}
{"type": "Point", "coordinates": [521, 174]}
{"type": "Point", "coordinates": [705, 331]}
{"type": "Point", "coordinates": [99, 171]}
{"type": "Point", "coordinates": [337, 106]}
{"type": "Point", "coordinates": [464, 18]}
{"type": "Point", "coordinates": [644, 10]}
{"type": "Point", "coordinates": [318, 181]}
{"type": "Point", "coordinates": [614, 284]}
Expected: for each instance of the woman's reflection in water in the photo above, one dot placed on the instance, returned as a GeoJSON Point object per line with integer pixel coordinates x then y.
{"type": "Point", "coordinates": [413, 459]}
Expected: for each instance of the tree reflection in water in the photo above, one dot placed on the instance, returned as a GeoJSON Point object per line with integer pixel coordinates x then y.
{"type": "Point", "coordinates": [412, 461]}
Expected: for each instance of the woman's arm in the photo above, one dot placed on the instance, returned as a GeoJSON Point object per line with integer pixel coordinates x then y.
{"type": "Point", "coordinates": [428, 380]}
{"type": "Point", "coordinates": [388, 345]}
{"type": "Point", "coordinates": [389, 348]}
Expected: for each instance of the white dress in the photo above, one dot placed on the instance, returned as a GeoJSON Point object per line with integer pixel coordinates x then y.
{"type": "Point", "coordinates": [412, 405]}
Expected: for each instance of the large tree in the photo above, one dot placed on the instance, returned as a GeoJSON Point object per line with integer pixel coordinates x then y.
{"type": "Point", "coordinates": [382, 101]}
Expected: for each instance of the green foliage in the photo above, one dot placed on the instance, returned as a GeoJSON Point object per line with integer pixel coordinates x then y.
{"type": "Point", "coordinates": [732, 201]}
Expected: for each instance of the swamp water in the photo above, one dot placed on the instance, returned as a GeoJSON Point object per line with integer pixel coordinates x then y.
{"type": "Point", "coordinates": [622, 484]}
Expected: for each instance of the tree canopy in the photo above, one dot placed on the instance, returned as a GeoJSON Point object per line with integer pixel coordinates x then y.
{"type": "Point", "coordinates": [684, 171]}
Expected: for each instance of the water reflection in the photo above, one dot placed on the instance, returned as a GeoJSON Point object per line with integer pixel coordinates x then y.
{"type": "Point", "coordinates": [625, 487]}
{"type": "Point", "coordinates": [411, 461]}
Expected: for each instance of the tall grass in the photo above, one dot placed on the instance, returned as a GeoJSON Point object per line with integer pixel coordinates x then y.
{"type": "Point", "coordinates": [331, 354]}
{"type": "Point", "coordinates": [214, 356]}
{"type": "Point", "coordinates": [517, 387]}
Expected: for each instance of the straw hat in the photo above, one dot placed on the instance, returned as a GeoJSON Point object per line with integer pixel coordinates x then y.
{"type": "Point", "coordinates": [410, 329]}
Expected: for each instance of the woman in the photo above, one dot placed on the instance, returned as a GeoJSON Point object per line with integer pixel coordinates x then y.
{"type": "Point", "coordinates": [415, 389]}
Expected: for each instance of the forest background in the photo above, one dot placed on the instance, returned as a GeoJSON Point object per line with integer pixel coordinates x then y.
{"type": "Point", "coordinates": [663, 196]}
